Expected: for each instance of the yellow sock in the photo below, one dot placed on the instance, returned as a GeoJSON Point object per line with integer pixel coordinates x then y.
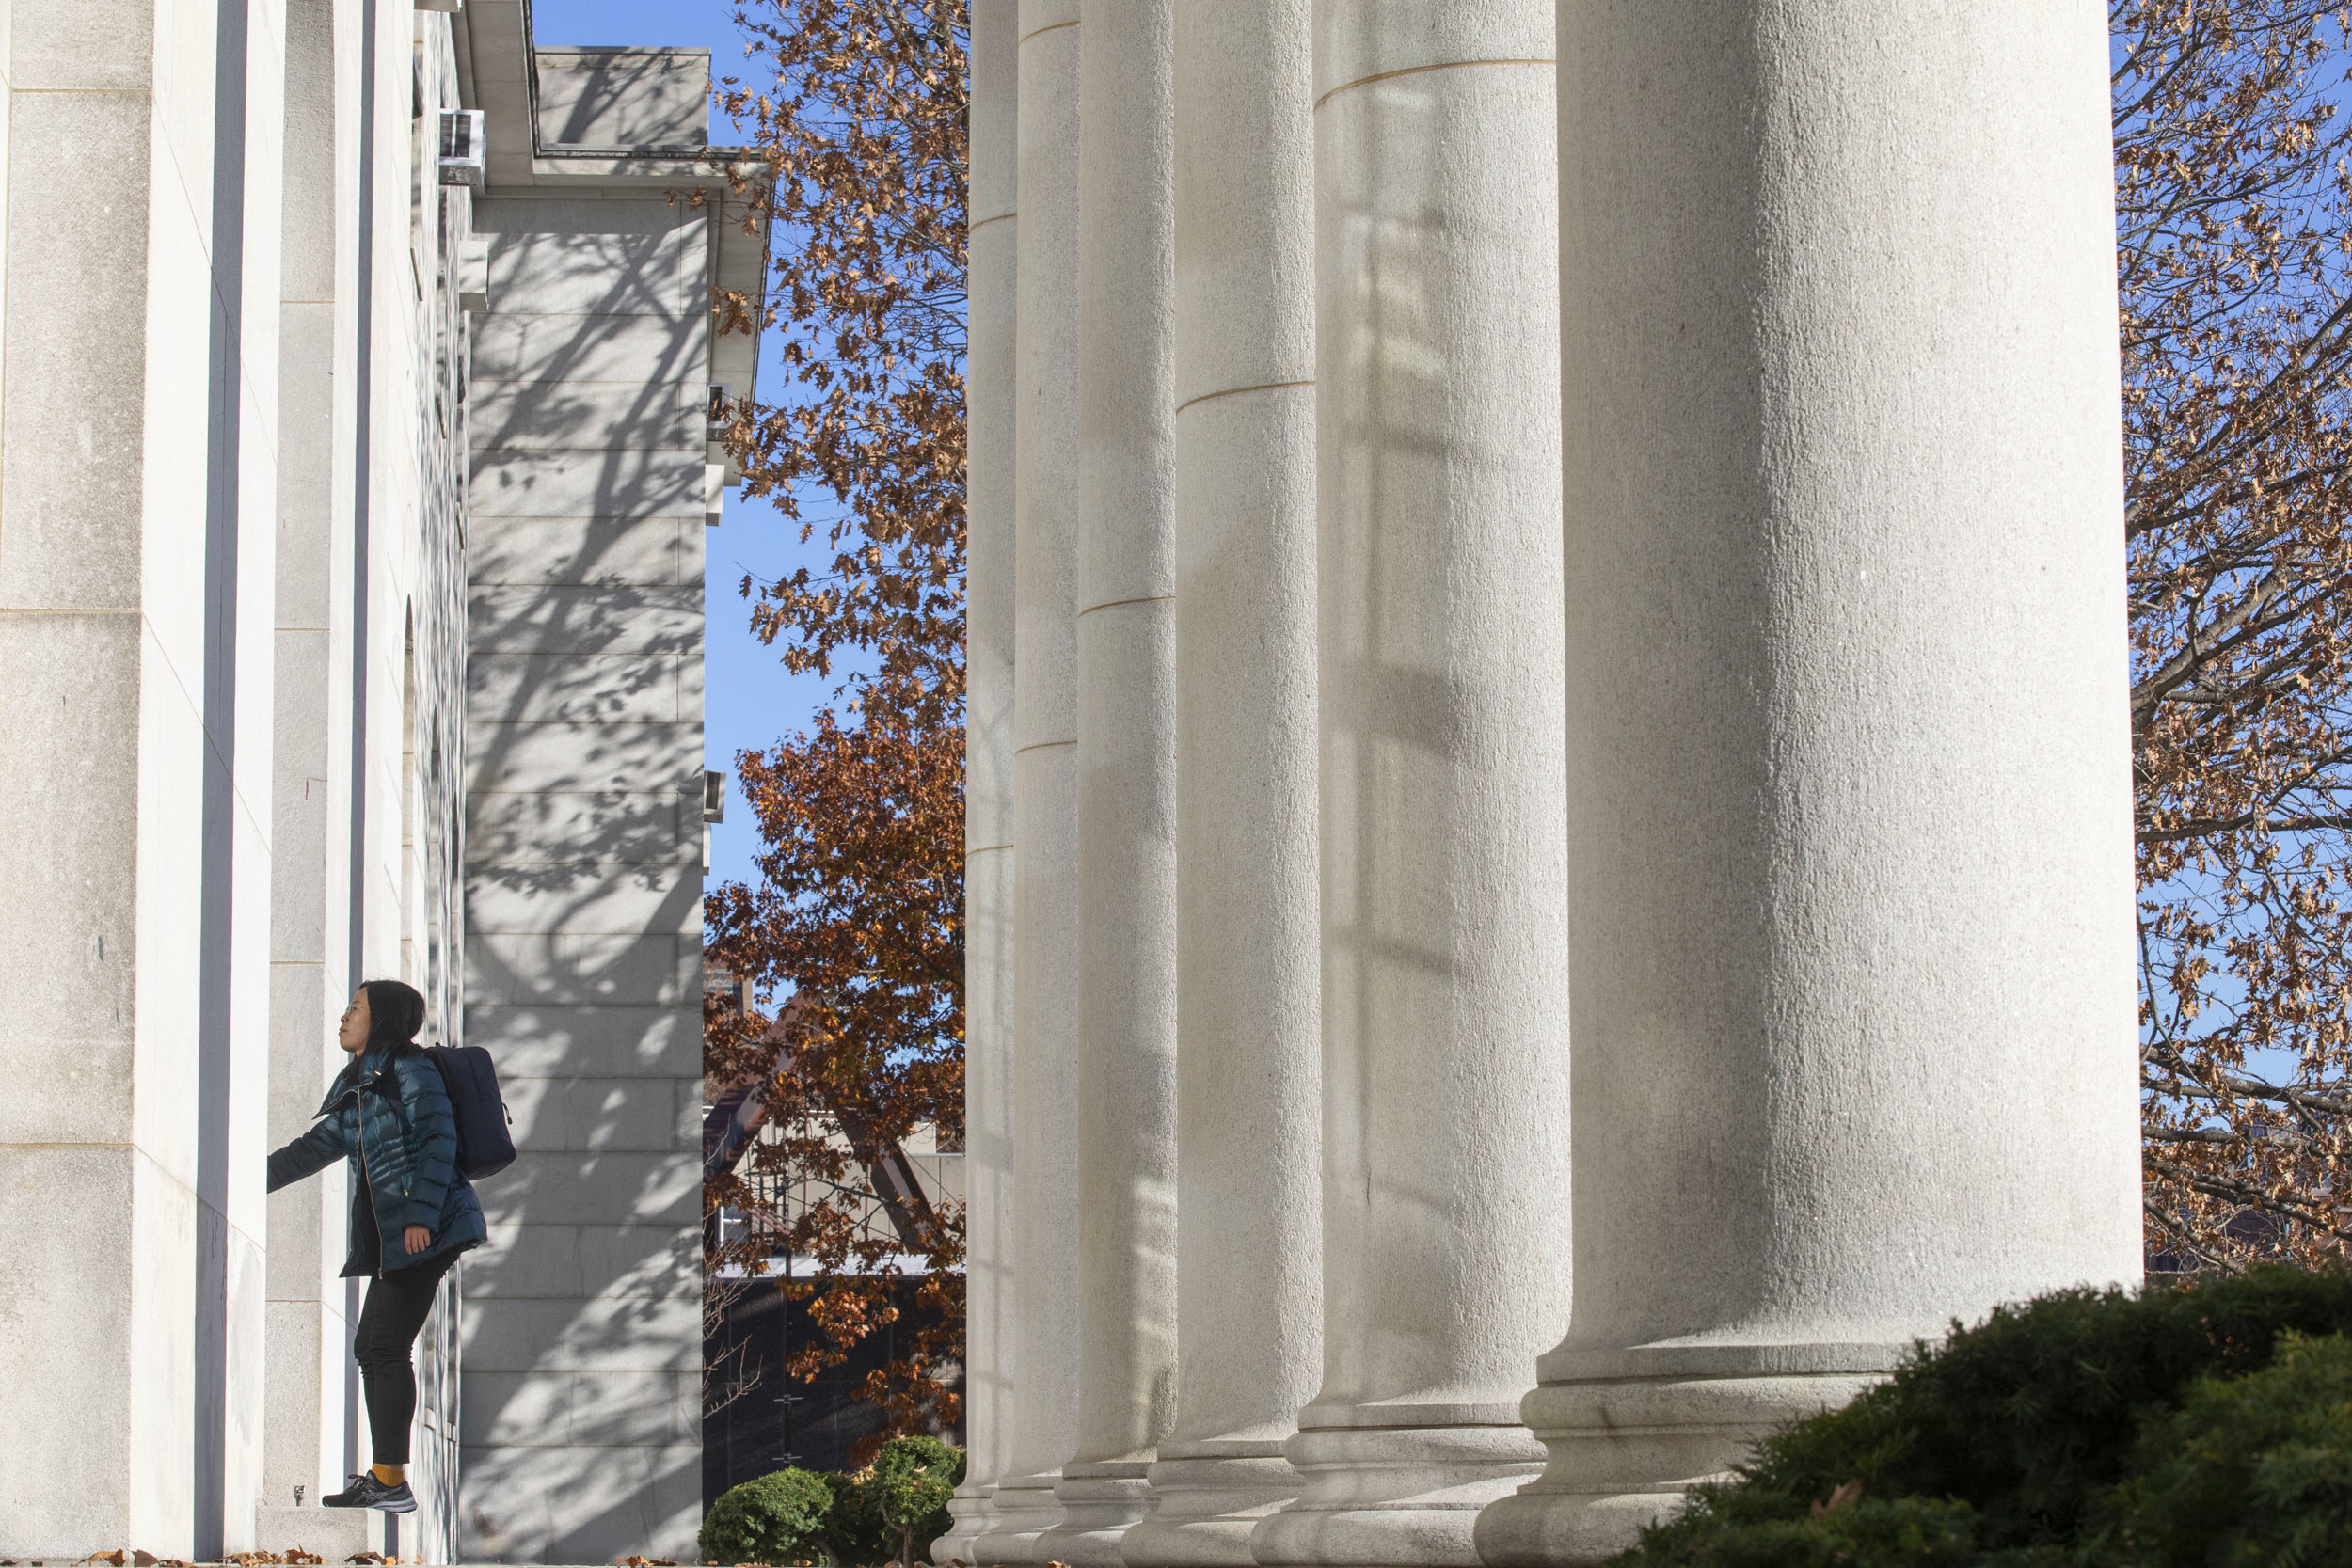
{"type": "Point", "coordinates": [389, 1474]}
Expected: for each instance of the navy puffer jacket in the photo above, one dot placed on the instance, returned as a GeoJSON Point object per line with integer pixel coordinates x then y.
{"type": "Point", "coordinates": [388, 1113]}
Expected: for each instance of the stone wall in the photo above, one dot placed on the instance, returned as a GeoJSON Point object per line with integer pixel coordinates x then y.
{"type": "Point", "coordinates": [347, 632]}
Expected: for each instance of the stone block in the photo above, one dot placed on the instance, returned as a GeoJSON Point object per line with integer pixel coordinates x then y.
{"type": "Point", "coordinates": [655, 1042]}
{"type": "Point", "coordinates": [518, 347]}
{"type": "Point", "coordinates": [572, 1504]}
{"type": "Point", "coordinates": [618, 485]}
{"type": "Point", "coordinates": [639, 1115]}
{"type": "Point", "coordinates": [570, 828]}
{"type": "Point", "coordinates": [578, 973]}
{"type": "Point", "coordinates": [107, 45]}
{"type": "Point", "coordinates": [589, 688]}
{"type": "Point", "coordinates": [75, 358]}
{"type": "Point", "coordinates": [71, 868]}
{"type": "Point", "coordinates": [625, 97]}
{"type": "Point", "coordinates": [302, 661]}
{"type": "Point", "coordinates": [626, 900]}
{"type": "Point", "coordinates": [574, 416]}
{"type": "Point", "coordinates": [574, 1261]}
{"type": "Point", "coordinates": [306, 468]}
{"type": "Point", "coordinates": [1510, 36]}
{"type": "Point", "coordinates": [305, 1000]}
{"type": "Point", "coordinates": [304, 1373]}
{"type": "Point", "coordinates": [66, 1445]}
{"type": "Point", "coordinates": [592, 758]}
{"type": "Point", "coordinates": [573, 1188]}
{"type": "Point", "coordinates": [603, 1409]}
{"type": "Point", "coordinates": [593, 274]}
{"type": "Point", "coordinates": [337, 1534]}
{"type": "Point", "coordinates": [582, 551]}
{"type": "Point", "coordinates": [589, 1334]}
{"type": "Point", "coordinates": [566, 619]}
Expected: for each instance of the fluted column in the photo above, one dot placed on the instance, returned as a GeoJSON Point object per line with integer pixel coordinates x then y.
{"type": "Point", "coordinates": [1248, 1292]}
{"type": "Point", "coordinates": [1444, 884]}
{"type": "Point", "coordinates": [1126, 785]}
{"type": "Point", "coordinates": [1850, 809]}
{"type": "Point", "coordinates": [1044, 1212]}
{"type": "Point", "coordinates": [989, 398]}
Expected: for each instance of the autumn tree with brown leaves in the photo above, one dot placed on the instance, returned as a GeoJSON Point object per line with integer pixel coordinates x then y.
{"type": "Point", "coordinates": [2233, 198]}
{"type": "Point", "coordinates": [857, 113]}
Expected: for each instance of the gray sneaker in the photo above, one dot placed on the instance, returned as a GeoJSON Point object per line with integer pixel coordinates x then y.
{"type": "Point", "coordinates": [365, 1491]}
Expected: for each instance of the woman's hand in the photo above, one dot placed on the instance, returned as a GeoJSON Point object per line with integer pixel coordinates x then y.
{"type": "Point", "coordinates": [417, 1239]}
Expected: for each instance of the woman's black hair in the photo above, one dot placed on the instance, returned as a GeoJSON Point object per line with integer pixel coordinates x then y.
{"type": "Point", "coordinates": [395, 1013]}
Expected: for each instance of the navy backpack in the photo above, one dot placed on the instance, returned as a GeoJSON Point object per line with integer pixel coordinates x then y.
{"type": "Point", "coordinates": [484, 1147]}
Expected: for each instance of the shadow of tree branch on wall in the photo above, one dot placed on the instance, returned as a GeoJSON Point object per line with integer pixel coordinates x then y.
{"type": "Point", "coordinates": [583, 874]}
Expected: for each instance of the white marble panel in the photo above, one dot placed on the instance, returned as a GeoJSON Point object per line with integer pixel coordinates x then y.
{"type": "Point", "coordinates": [557, 756]}
{"type": "Point", "coordinates": [576, 416]}
{"type": "Point", "coordinates": [616, 1037]}
{"type": "Point", "coordinates": [639, 900]}
{"type": "Point", "coordinates": [617, 484]}
{"type": "Point", "coordinates": [565, 619]}
{"type": "Point", "coordinates": [567, 828]}
{"type": "Point", "coordinates": [626, 688]}
{"type": "Point", "coordinates": [589, 1334]}
{"type": "Point", "coordinates": [570, 970]}
{"type": "Point", "coordinates": [516, 346]}
{"type": "Point", "coordinates": [582, 551]}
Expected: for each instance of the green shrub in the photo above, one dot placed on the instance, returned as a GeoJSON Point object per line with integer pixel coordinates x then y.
{"type": "Point", "coordinates": [894, 1508]}
{"type": "Point", "coordinates": [2255, 1470]}
{"type": "Point", "coordinates": [856, 1535]}
{"type": "Point", "coordinates": [777, 1518]}
{"type": "Point", "coordinates": [2003, 1445]}
{"type": "Point", "coordinates": [912, 1480]}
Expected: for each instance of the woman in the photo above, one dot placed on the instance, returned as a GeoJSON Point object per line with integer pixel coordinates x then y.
{"type": "Point", "coordinates": [388, 1114]}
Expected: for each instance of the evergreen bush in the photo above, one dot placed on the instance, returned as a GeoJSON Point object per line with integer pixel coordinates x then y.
{"type": "Point", "coordinates": [856, 1536]}
{"type": "Point", "coordinates": [894, 1508]}
{"type": "Point", "coordinates": [2251, 1470]}
{"type": "Point", "coordinates": [776, 1519]}
{"type": "Point", "coordinates": [2051, 1434]}
{"type": "Point", "coordinates": [912, 1480]}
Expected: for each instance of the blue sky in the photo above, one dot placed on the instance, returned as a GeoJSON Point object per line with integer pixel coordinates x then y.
{"type": "Point", "coordinates": [749, 700]}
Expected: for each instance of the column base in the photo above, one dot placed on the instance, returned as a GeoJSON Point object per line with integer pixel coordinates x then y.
{"type": "Point", "coordinates": [974, 1512]}
{"type": "Point", "coordinates": [1624, 1453]}
{"type": "Point", "coordinates": [337, 1534]}
{"type": "Point", "coordinates": [1206, 1500]}
{"type": "Point", "coordinates": [1393, 1497]}
{"type": "Point", "coordinates": [1025, 1509]}
{"type": "Point", "coordinates": [1099, 1503]}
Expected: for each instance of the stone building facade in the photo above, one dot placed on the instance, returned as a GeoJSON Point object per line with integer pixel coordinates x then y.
{"type": "Point", "coordinates": [353, 490]}
{"type": "Point", "coordinates": [1549, 819]}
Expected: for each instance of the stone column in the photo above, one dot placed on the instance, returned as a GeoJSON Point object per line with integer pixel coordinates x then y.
{"type": "Point", "coordinates": [139, 322]}
{"type": "Point", "coordinates": [1044, 1429]}
{"type": "Point", "coordinates": [1126, 784]}
{"type": "Point", "coordinates": [988, 819]}
{"type": "Point", "coordinates": [1445, 1031]}
{"type": "Point", "coordinates": [307, 1341]}
{"type": "Point", "coordinates": [1851, 816]}
{"type": "Point", "coordinates": [1249, 1115]}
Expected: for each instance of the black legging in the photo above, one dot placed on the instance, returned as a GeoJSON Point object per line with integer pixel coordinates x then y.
{"type": "Point", "coordinates": [399, 1301]}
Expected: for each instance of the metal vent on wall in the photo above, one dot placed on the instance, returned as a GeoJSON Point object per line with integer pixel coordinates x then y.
{"type": "Point", "coordinates": [463, 145]}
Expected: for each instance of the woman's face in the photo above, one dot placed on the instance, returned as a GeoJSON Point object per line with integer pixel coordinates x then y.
{"type": "Point", "coordinates": [353, 1036]}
